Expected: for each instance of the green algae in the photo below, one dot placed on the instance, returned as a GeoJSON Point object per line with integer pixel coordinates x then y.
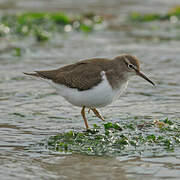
{"type": "Point", "coordinates": [138, 17]}
{"type": "Point", "coordinates": [42, 25]}
{"type": "Point", "coordinates": [112, 139]}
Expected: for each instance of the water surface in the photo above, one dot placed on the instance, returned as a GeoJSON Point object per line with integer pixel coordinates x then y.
{"type": "Point", "coordinates": [30, 110]}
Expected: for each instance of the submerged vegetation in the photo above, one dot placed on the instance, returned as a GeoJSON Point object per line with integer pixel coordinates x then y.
{"type": "Point", "coordinates": [41, 25]}
{"type": "Point", "coordinates": [156, 26]}
{"type": "Point", "coordinates": [172, 15]}
{"type": "Point", "coordinates": [21, 31]}
{"type": "Point", "coordinates": [154, 137]}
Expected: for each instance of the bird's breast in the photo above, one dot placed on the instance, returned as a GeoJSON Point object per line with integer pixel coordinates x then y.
{"type": "Point", "coordinates": [120, 89]}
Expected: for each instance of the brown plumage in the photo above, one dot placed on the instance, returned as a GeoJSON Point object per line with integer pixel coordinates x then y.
{"type": "Point", "coordinates": [85, 74]}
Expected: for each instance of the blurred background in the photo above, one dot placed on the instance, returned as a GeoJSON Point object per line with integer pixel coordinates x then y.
{"type": "Point", "coordinates": [43, 34]}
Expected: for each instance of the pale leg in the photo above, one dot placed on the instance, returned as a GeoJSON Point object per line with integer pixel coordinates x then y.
{"type": "Point", "coordinates": [84, 117]}
{"type": "Point", "coordinates": [95, 111]}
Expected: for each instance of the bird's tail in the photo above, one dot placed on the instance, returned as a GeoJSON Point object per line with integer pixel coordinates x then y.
{"type": "Point", "coordinates": [32, 74]}
{"type": "Point", "coordinates": [41, 74]}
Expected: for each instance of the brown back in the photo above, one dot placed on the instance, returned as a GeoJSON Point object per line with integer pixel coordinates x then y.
{"type": "Point", "coordinates": [82, 75]}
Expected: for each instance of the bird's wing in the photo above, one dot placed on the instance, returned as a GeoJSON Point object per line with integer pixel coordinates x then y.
{"type": "Point", "coordinates": [82, 75]}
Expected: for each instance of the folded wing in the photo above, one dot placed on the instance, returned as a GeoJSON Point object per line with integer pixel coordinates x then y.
{"type": "Point", "coordinates": [82, 75]}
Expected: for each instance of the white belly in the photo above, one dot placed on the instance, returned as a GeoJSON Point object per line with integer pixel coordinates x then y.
{"type": "Point", "coordinates": [99, 96]}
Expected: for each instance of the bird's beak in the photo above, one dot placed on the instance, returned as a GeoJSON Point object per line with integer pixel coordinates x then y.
{"type": "Point", "coordinates": [144, 77]}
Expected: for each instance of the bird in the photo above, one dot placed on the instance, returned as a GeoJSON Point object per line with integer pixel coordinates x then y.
{"type": "Point", "coordinates": [93, 83]}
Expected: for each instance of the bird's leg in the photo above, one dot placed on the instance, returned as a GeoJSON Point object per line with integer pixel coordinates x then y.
{"type": "Point", "coordinates": [84, 117]}
{"type": "Point", "coordinates": [95, 111]}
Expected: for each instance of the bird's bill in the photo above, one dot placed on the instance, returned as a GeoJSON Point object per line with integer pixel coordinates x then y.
{"type": "Point", "coordinates": [145, 77]}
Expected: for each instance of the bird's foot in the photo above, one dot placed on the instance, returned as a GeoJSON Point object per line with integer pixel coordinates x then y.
{"type": "Point", "coordinates": [91, 131]}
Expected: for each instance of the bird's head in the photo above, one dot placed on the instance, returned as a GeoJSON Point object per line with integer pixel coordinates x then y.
{"type": "Point", "coordinates": [131, 66]}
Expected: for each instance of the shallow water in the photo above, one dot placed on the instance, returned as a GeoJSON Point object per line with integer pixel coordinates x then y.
{"type": "Point", "coordinates": [30, 110]}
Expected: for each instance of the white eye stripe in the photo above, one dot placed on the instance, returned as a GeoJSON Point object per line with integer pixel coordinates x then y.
{"type": "Point", "coordinates": [130, 66]}
{"type": "Point", "coordinates": [127, 60]}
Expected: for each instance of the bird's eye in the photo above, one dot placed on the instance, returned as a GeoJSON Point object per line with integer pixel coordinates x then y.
{"type": "Point", "coordinates": [130, 66]}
